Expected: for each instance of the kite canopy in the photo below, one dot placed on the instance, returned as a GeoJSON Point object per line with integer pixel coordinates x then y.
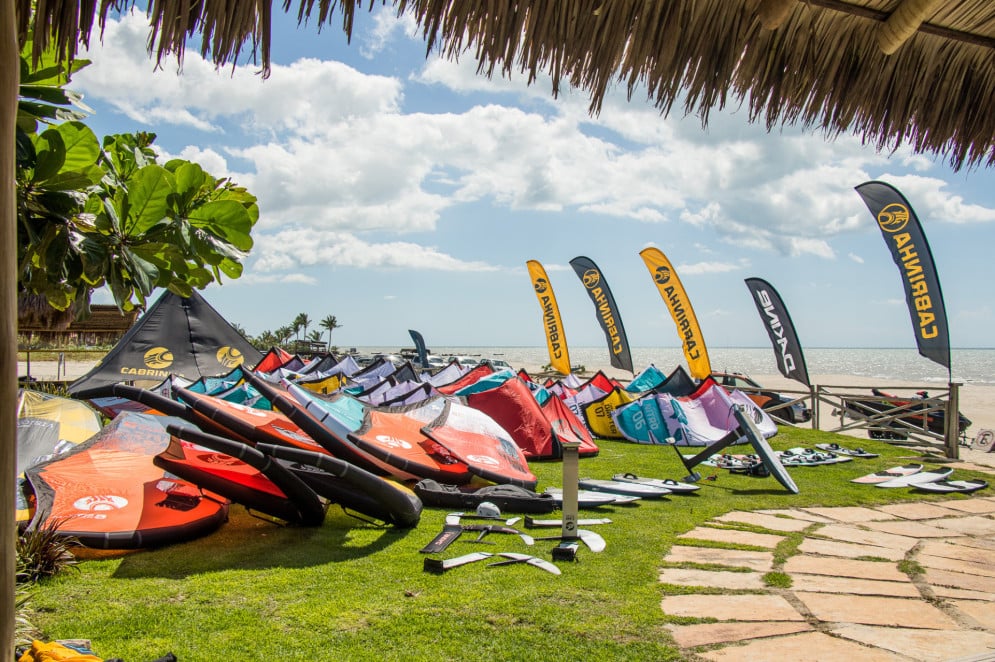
{"type": "Point", "coordinates": [910, 72]}
{"type": "Point", "coordinates": [176, 336]}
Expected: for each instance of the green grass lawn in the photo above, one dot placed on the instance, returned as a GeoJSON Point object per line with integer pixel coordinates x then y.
{"type": "Point", "coordinates": [351, 591]}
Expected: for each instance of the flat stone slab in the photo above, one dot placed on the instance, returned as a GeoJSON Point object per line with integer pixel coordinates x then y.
{"type": "Point", "coordinates": [872, 610]}
{"type": "Point", "coordinates": [915, 511]}
{"type": "Point", "coordinates": [797, 513]}
{"type": "Point", "coordinates": [689, 636]}
{"type": "Point", "coordinates": [767, 540]}
{"type": "Point", "coordinates": [824, 584]}
{"type": "Point", "coordinates": [766, 521]}
{"type": "Point", "coordinates": [729, 580]}
{"type": "Point", "coordinates": [976, 505]}
{"type": "Point", "coordinates": [909, 528]}
{"type": "Point", "coordinates": [848, 550]}
{"type": "Point", "coordinates": [978, 543]}
{"type": "Point", "coordinates": [877, 538]}
{"type": "Point", "coordinates": [935, 577]}
{"type": "Point", "coordinates": [950, 593]}
{"type": "Point", "coordinates": [850, 513]}
{"type": "Point", "coordinates": [956, 565]}
{"type": "Point", "coordinates": [766, 607]}
{"type": "Point", "coordinates": [973, 526]}
{"type": "Point", "coordinates": [951, 550]}
{"type": "Point", "coordinates": [808, 646]}
{"type": "Point", "coordinates": [924, 645]}
{"type": "Point", "coordinates": [737, 558]}
{"type": "Point", "coordinates": [982, 612]}
{"type": "Point", "coordinates": [835, 567]}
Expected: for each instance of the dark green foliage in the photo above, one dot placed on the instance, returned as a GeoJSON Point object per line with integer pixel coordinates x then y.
{"type": "Point", "coordinates": [43, 552]}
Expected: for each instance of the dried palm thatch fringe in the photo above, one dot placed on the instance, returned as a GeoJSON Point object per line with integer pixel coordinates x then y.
{"type": "Point", "coordinates": [817, 63]}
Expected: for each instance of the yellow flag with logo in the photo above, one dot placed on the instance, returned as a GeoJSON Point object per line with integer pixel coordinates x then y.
{"type": "Point", "coordinates": [680, 309]}
{"type": "Point", "coordinates": [556, 340]}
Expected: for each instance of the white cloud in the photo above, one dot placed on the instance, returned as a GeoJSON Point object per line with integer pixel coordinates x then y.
{"type": "Point", "coordinates": [856, 258]}
{"type": "Point", "coordinates": [709, 268]}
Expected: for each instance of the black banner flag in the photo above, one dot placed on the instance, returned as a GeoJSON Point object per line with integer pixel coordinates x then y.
{"type": "Point", "coordinates": [604, 305]}
{"type": "Point", "coordinates": [910, 251]}
{"type": "Point", "coordinates": [420, 347]}
{"type": "Point", "coordinates": [787, 349]}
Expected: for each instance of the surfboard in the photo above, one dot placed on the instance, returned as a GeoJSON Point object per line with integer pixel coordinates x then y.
{"type": "Point", "coordinates": [918, 478]}
{"type": "Point", "coordinates": [888, 474]}
{"type": "Point", "coordinates": [628, 489]}
{"type": "Point", "coordinates": [675, 486]}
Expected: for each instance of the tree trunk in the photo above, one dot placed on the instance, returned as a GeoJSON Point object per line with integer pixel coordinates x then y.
{"type": "Point", "coordinates": [9, 75]}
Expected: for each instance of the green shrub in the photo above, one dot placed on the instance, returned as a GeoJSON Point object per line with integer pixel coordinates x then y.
{"type": "Point", "coordinates": [43, 552]}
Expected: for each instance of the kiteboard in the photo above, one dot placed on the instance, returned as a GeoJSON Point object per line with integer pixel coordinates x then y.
{"type": "Point", "coordinates": [949, 486]}
{"type": "Point", "coordinates": [918, 478]}
{"type": "Point", "coordinates": [674, 486]}
{"type": "Point", "coordinates": [627, 489]}
{"type": "Point", "coordinates": [589, 498]}
{"type": "Point", "coordinates": [841, 450]}
{"type": "Point", "coordinates": [888, 474]}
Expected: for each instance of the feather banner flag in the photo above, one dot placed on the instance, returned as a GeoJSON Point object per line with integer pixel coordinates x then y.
{"type": "Point", "coordinates": [679, 305]}
{"type": "Point", "coordinates": [909, 249]}
{"type": "Point", "coordinates": [419, 347]}
{"type": "Point", "coordinates": [787, 349]}
{"type": "Point", "coordinates": [556, 340]}
{"type": "Point", "coordinates": [604, 305]}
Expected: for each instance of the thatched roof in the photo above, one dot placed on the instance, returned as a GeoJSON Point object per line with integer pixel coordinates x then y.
{"type": "Point", "coordinates": [896, 72]}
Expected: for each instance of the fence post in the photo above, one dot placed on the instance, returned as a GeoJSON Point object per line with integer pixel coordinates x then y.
{"type": "Point", "coordinates": [951, 428]}
{"type": "Point", "coordinates": [813, 393]}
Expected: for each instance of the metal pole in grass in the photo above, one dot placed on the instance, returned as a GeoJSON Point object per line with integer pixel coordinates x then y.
{"type": "Point", "coordinates": [571, 476]}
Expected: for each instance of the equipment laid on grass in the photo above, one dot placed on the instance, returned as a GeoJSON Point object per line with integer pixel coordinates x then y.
{"type": "Point", "coordinates": [626, 489]}
{"type": "Point", "coordinates": [840, 450]}
{"type": "Point", "coordinates": [674, 486]}
{"type": "Point", "coordinates": [438, 566]}
{"type": "Point", "coordinates": [590, 499]}
{"type": "Point", "coordinates": [807, 457]}
{"type": "Point", "coordinates": [918, 478]}
{"type": "Point", "coordinates": [509, 498]}
{"type": "Point", "coordinates": [949, 486]}
{"type": "Point", "coordinates": [531, 523]}
{"type": "Point", "coordinates": [888, 474]}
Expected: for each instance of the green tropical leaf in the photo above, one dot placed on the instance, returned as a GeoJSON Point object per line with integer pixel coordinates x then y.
{"type": "Point", "coordinates": [225, 219]}
{"type": "Point", "coordinates": [50, 154]}
{"type": "Point", "coordinates": [82, 146]}
{"type": "Point", "coordinates": [148, 191]}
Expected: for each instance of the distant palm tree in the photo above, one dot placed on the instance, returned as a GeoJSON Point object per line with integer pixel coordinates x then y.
{"type": "Point", "coordinates": [284, 333]}
{"type": "Point", "coordinates": [301, 323]}
{"type": "Point", "coordinates": [330, 324]}
{"type": "Point", "coordinates": [314, 336]}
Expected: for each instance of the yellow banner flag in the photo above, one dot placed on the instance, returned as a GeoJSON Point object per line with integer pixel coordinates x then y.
{"type": "Point", "coordinates": [556, 340]}
{"type": "Point", "coordinates": [677, 302]}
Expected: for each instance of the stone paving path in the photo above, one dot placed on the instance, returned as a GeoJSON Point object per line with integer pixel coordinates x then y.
{"type": "Point", "coordinates": [851, 595]}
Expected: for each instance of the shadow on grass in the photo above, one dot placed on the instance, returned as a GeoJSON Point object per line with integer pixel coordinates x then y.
{"type": "Point", "coordinates": [247, 542]}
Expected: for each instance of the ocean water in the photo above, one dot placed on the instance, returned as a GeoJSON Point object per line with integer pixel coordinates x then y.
{"type": "Point", "coordinates": [969, 366]}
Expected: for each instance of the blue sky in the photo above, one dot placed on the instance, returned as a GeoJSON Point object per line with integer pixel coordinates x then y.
{"type": "Point", "coordinates": [403, 192]}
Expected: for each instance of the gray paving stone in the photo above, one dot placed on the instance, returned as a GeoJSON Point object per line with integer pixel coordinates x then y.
{"type": "Point", "coordinates": [729, 580]}
{"type": "Point", "coordinates": [767, 540]}
{"type": "Point", "coordinates": [737, 558]}
{"type": "Point", "coordinates": [807, 646]}
{"type": "Point", "coordinates": [935, 577]}
{"type": "Point", "coordinates": [848, 550]}
{"type": "Point", "coordinates": [921, 645]}
{"type": "Point", "coordinates": [816, 565]}
{"type": "Point", "coordinates": [771, 522]}
{"type": "Point", "coordinates": [849, 585]}
{"type": "Point", "coordinates": [853, 534]}
{"type": "Point", "coordinates": [703, 634]}
{"type": "Point", "coordinates": [956, 565]}
{"type": "Point", "coordinates": [765, 607]}
{"type": "Point", "coordinates": [873, 610]}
